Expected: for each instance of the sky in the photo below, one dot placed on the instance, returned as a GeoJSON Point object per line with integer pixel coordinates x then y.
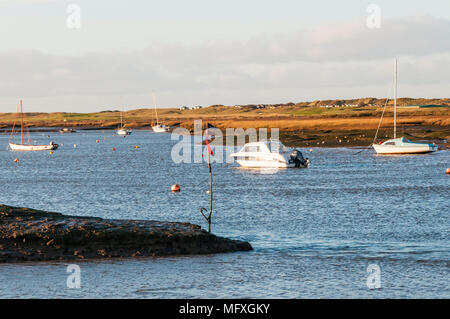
{"type": "Point", "coordinates": [204, 52]}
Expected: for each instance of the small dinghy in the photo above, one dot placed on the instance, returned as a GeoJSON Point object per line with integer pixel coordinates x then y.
{"type": "Point", "coordinates": [66, 130]}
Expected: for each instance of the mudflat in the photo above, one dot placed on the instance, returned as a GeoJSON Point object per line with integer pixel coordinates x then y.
{"type": "Point", "coordinates": [34, 235]}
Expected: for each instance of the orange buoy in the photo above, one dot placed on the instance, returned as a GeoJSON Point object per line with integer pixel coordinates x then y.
{"type": "Point", "coordinates": [175, 188]}
{"type": "Point", "coordinates": [16, 160]}
{"type": "Point", "coordinates": [51, 153]}
{"type": "Point", "coordinates": [447, 171]}
{"type": "Point", "coordinates": [137, 146]}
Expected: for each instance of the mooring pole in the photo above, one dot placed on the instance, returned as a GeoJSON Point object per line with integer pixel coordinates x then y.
{"type": "Point", "coordinates": [210, 193]}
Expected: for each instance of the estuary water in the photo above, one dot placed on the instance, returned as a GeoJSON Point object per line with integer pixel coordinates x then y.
{"type": "Point", "coordinates": [314, 231]}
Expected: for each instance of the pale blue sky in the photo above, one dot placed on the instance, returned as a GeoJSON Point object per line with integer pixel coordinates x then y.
{"type": "Point", "coordinates": [216, 51]}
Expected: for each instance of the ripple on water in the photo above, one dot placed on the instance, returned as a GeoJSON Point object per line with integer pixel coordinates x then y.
{"type": "Point", "coordinates": [314, 230]}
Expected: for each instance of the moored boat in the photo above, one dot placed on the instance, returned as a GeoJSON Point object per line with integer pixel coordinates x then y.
{"type": "Point", "coordinates": [28, 147]}
{"type": "Point", "coordinates": [31, 147]}
{"type": "Point", "coordinates": [66, 130]}
{"type": "Point", "coordinates": [158, 127]}
{"type": "Point", "coordinates": [401, 145]}
{"type": "Point", "coordinates": [269, 154]}
{"type": "Point", "coordinates": [404, 146]}
{"type": "Point", "coordinates": [122, 130]}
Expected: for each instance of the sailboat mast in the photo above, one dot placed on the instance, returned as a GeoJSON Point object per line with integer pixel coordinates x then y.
{"type": "Point", "coordinates": [21, 123]}
{"type": "Point", "coordinates": [395, 100]}
{"type": "Point", "coordinates": [121, 111]}
{"type": "Point", "coordinates": [154, 103]}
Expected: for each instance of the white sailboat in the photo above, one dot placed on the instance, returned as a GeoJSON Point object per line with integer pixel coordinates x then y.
{"type": "Point", "coordinates": [122, 130]}
{"type": "Point", "coordinates": [158, 127]}
{"type": "Point", "coordinates": [401, 145]}
{"type": "Point", "coordinates": [28, 147]}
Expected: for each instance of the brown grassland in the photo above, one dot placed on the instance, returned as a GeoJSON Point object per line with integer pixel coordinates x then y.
{"type": "Point", "coordinates": [301, 124]}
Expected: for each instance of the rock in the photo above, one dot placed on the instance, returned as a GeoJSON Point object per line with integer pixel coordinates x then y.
{"type": "Point", "coordinates": [34, 235]}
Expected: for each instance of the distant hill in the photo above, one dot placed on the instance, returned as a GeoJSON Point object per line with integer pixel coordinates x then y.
{"type": "Point", "coordinates": [360, 102]}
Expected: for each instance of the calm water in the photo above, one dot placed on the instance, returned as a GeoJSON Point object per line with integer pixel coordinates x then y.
{"type": "Point", "coordinates": [314, 231]}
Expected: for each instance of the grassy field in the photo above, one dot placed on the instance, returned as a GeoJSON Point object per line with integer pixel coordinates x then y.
{"type": "Point", "coordinates": [299, 125]}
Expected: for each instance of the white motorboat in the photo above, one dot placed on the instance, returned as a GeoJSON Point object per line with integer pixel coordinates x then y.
{"type": "Point", "coordinates": [158, 127]}
{"type": "Point", "coordinates": [269, 154]}
{"type": "Point", "coordinates": [122, 130]}
{"type": "Point", "coordinates": [401, 145]}
{"type": "Point", "coordinates": [28, 147]}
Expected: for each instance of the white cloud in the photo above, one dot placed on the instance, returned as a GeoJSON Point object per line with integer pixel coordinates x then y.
{"type": "Point", "coordinates": [342, 60]}
{"type": "Point", "coordinates": [19, 2]}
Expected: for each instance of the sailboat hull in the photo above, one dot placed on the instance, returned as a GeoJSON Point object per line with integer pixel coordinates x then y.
{"type": "Point", "coordinates": [404, 149]}
{"type": "Point", "coordinates": [24, 147]}
{"type": "Point", "coordinates": [160, 129]}
{"type": "Point", "coordinates": [123, 132]}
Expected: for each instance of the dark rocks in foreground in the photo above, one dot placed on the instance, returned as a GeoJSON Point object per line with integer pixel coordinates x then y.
{"type": "Point", "coordinates": [34, 235]}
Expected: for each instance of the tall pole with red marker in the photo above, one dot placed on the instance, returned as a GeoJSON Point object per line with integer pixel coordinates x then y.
{"type": "Point", "coordinates": [210, 152]}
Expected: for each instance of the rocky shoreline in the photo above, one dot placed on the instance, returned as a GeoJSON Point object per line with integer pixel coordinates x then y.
{"type": "Point", "coordinates": [33, 235]}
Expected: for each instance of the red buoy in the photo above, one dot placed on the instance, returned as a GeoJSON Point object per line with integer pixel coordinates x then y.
{"type": "Point", "coordinates": [97, 141]}
{"type": "Point", "coordinates": [113, 148]}
{"type": "Point", "coordinates": [175, 188]}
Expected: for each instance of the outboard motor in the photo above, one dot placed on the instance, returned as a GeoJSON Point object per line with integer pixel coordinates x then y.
{"type": "Point", "coordinates": [297, 158]}
{"type": "Point", "coordinates": [54, 145]}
